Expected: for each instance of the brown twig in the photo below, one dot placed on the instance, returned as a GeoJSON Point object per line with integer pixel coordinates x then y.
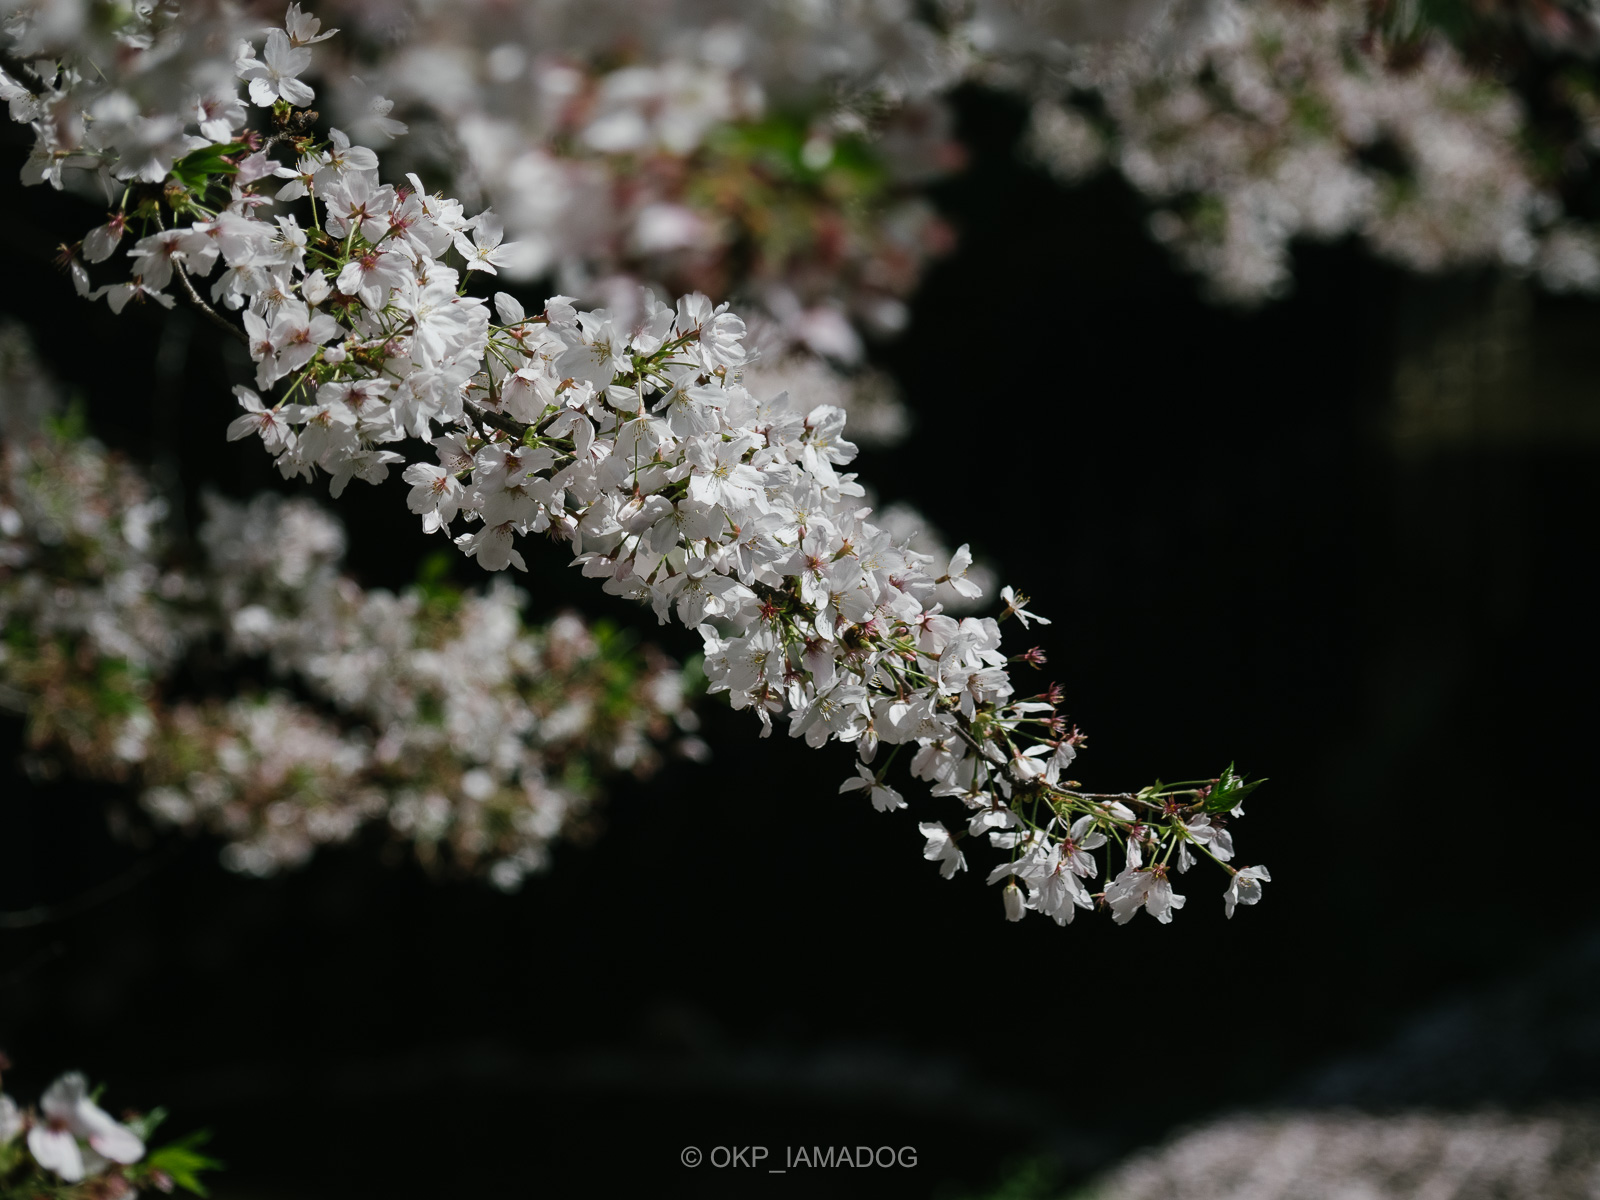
{"type": "Point", "coordinates": [501, 422]}
{"type": "Point", "coordinates": [210, 313]}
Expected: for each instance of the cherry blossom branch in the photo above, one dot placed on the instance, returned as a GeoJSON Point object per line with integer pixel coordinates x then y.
{"type": "Point", "coordinates": [479, 771]}
{"type": "Point", "coordinates": [207, 311]}
{"type": "Point", "coordinates": [635, 440]}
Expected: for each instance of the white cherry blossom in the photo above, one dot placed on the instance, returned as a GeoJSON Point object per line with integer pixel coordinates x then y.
{"type": "Point", "coordinates": [942, 849]}
{"type": "Point", "coordinates": [274, 76]}
{"type": "Point", "coordinates": [1245, 887]}
{"type": "Point", "coordinates": [72, 1118]}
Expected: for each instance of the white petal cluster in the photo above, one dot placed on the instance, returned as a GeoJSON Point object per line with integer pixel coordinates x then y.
{"type": "Point", "coordinates": [77, 1138]}
{"type": "Point", "coordinates": [773, 151]}
{"type": "Point", "coordinates": [469, 722]}
{"type": "Point", "coordinates": [125, 91]}
{"type": "Point", "coordinates": [769, 150]}
{"type": "Point", "coordinates": [1250, 123]}
{"type": "Point", "coordinates": [596, 158]}
{"type": "Point", "coordinates": [82, 565]}
{"type": "Point", "coordinates": [1275, 120]}
{"type": "Point", "coordinates": [778, 151]}
{"type": "Point", "coordinates": [440, 713]}
{"type": "Point", "coordinates": [70, 1138]}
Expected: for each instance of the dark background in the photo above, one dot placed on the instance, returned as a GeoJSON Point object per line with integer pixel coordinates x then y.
{"type": "Point", "coordinates": [1256, 542]}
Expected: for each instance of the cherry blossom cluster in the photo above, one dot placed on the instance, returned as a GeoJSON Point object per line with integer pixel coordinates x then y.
{"type": "Point", "coordinates": [768, 225]}
{"type": "Point", "coordinates": [69, 1148]}
{"type": "Point", "coordinates": [1272, 120]}
{"type": "Point", "coordinates": [89, 607]}
{"type": "Point", "coordinates": [1250, 124]}
{"type": "Point", "coordinates": [771, 151]}
{"type": "Point", "coordinates": [478, 770]}
{"type": "Point", "coordinates": [779, 152]}
{"type": "Point", "coordinates": [636, 441]}
{"type": "Point", "coordinates": [117, 93]}
{"type": "Point", "coordinates": [484, 767]}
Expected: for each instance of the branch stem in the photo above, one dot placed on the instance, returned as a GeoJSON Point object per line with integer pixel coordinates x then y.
{"type": "Point", "coordinates": [207, 311]}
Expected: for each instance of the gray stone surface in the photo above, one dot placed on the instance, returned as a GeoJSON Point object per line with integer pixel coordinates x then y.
{"type": "Point", "coordinates": [1349, 1156]}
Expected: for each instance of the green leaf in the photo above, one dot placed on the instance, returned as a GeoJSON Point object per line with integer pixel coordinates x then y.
{"type": "Point", "coordinates": [183, 1162]}
{"type": "Point", "coordinates": [195, 170]}
{"type": "Point", "coordinates": [72, 425]}
{"type": "Point", "coordinates": [433, 581]}
{"type": "Point", "coordinates": [1230, 790]}
{"type": "Point", "coordinates": [435, 569]}
{"type": "Point", "coordinates": [12, 1156]}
